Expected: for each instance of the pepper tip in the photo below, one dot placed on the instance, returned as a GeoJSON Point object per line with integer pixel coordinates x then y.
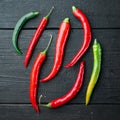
{"type": "Point", "coordinates": [86, 104]}
{"type": "Point", "coordinates": [25, 64]}
{"type": "Point", "coordinates": [37, 110]}
{"type": "Point", "coordinates": [19, 52]}
{"type": "Point", "coordinates": [87, 101]}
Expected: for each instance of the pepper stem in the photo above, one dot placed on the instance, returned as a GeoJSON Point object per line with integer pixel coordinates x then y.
{"type": "Point", "coordinates": [73, 8]}
{"type": "Point", "coordinates": [95, 42]}
{"type": "Point", "coordinates": [49, 12]}
{"type": "Point", "coordinates": [66, 20]}
{"type": "Point", "coordinates": [36, 13]}
{"type": "Point", "coordinates": [46, 49]}
{"type": "Point", "coordinates": [43, 105]}
{"type": "Point", "coordinates": [46, 105]}
{"type": "Point", "coordinates": [39, 101]}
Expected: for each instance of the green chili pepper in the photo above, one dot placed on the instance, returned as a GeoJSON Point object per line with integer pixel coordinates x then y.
{"type": "Point", "coordinates": [95, 70]}
{"type": "Point", "coordinates": [18, 28]}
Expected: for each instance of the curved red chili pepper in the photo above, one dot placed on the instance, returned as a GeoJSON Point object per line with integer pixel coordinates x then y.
{"type": "Point", "coordinates": [34, 79]}
{"type": "Point", "coordinates": [60, 44]}
{"type": "Point", "coordinates": [36, 37]}
{"type": "Point", "coordinates": [34, 76]}
{"type": "Point", "coordinates": [87, 35]}
{"type": "Point", "coordinates": [72, 93]}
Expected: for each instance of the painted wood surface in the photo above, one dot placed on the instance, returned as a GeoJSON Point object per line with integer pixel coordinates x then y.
{"type": "Point", "coordinates": [14, 78]}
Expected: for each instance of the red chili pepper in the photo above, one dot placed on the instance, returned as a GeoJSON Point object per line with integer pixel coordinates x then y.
{"type": "Point", "coordinates": [36, 37]}
{"type": "Point", "coordinates": [60, 44]}
{"type": "Point", "coordinates": [34, 76]}
{"type": "Point", "coordinates": [87, 35]}
{"type": "Point", "coordinates": [72, 93]}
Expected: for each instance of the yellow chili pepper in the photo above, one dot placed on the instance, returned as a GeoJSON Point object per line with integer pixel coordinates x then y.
{"type": "Point", "coordinates": [95, 70]}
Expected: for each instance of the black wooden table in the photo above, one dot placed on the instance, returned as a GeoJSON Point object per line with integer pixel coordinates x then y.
{"type": "Point", "coordinates": [104, 17]}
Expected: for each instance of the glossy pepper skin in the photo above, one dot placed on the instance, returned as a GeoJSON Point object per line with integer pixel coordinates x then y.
{"type": "Point", "coordinates": [34, 79]}
{"type": "Point", "coordinates": [36, 37]}
{"type": "Point", "coordinates": [34, 76]}
{"type": "Point", "coordinates": [18, 28]}
{"type": "Point", "coordinates": [95, 71]}
{"type": "Point", "coordinates": [59, 50]}
{"type": "Point", "coordinates": [71, 93]}
{"type": "Point", "coordinates": [87, 35]}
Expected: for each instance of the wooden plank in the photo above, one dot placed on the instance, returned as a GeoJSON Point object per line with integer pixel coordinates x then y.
{"type": "Point", "coordinates": [101, 14]}
{"type": "Point", "coordinates": [14, 78]}
{"type": "Point", "coordinates": [67, 112]}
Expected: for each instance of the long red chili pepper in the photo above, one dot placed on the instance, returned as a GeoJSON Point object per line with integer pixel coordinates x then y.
{"type": "Point", "coordinates": [36, 37]}
{"type": "Point", "coordinates": [72, 93]}
{"type": "Point", "coordinates": [87, 35]}
{"type": "Point", "coordinates": [60, 44]}
{"type": "Point", "coordinates": [34, 76]}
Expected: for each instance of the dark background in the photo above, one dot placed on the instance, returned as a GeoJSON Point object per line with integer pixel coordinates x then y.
{"type": "Point", "coordinates": [104, 17]}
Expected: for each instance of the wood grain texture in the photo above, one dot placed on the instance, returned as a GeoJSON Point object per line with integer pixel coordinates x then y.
{"type": "Point", "coordinates": [14, 78]}
{"type": "Point", "coordinates": [101, 13]}
{"type": "Point", "coordinates": [71, 112]}
{"type": "Point", "coordinates": [104, 16]}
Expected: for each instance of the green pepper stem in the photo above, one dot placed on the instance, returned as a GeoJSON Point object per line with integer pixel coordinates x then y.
{"type": "Point", "coordinates": [36, 13]}
{"type": "Point", "coordinates": [43, 105]}
{"type": "Point", "coordinates": [39, 101]}
{"type": "Point", "coordinates": [46, 49]}
{"type": "Point", "coordinates": [66, 20]}
{"type": "Point", "coordinates": [49, 12]}
{"type": "Point", "coordinates": [73, 8]}
{"type": "Point", "coordinates": [46, 105]}
{"type": "Point", "coordinates": [95, 42]}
